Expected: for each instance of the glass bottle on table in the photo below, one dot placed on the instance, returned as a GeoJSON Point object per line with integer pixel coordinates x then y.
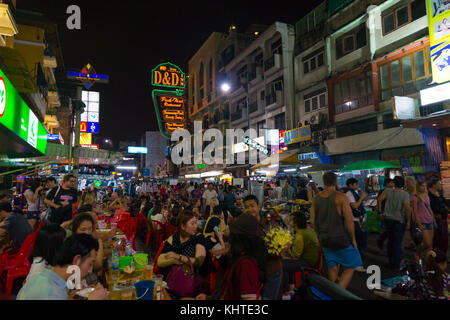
{"type": "Point", "coordinates": [115, 266]}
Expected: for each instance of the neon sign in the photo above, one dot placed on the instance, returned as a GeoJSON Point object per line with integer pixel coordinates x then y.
{"type": "Point", "coordinates": [255, 145]}
{"type": "Point", "coordinates": [87, 76]}
{"type": "Point", "coordinates": [168, 75]}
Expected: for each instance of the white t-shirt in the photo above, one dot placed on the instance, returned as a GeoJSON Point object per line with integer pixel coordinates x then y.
{"type": "Point", "coordinates": [278, 192]}
{"type": "Point", "coordinates": [351, 198]}
{"type": "Point", "coordinates": [32, 206]}
{"type": "Point", "coordinates": [158, 217]}
{"type": "Point", "coordinates": [190, 189]}
{"type": "Point", "coordinates": [208, 195]}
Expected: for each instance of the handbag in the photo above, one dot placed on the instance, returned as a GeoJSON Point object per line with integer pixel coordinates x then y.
{"type": "Point", "coordinates": [47, 214]}
{"type": "Point", "coordinates": [182, 281]}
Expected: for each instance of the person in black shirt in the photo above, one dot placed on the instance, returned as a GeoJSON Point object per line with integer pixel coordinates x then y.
{"type": "Point", "coordinates": [62, 201]}
{"type": "Point", "coordinates": [388, 183]}
{"type": "Point", "coordinates": [440, 210]}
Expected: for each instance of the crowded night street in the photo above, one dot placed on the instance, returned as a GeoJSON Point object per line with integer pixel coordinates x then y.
{"type": "Point", "coordinates": [206, 153]}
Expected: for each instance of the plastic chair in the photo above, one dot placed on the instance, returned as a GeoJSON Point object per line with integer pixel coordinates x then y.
{"type": "Point", "coordinates": [150, 230]}
{"type": "Point", "coordinates": [17, 265]}
{"type": "Point", "coordinates": [158, 229]}
{"type": "Point", "coordinates": [155, 264]}
{"type": "Point", "coordinates": [169, 230]}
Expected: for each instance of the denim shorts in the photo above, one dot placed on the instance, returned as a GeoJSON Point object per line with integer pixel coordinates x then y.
{"type": "Point", "coordinates": [428, 226]}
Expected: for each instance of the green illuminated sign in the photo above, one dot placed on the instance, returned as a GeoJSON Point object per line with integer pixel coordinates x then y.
{"type": "Point", "coordinates": [17, 117]}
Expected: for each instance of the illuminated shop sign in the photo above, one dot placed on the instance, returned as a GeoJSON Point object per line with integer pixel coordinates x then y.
{"type": "Point", "coordinates": [168, 75]}
{"type": "Point", "coordinates": [142, 150]}
{"type": "Point", "coordinates": [297, 135]}
{"type": "Point", "coordinates": [255, 145]}
{"type": "Point", "coordinates": [17, 117]}
{"type": "Point", "coordinates": [87, 76]}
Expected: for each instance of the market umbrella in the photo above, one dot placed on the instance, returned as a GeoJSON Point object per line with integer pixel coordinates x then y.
{"type": "Point", "coordinates": [370, 164]}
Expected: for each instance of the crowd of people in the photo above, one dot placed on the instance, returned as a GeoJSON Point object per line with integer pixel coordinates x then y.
{"type": "Point", "coordinates": [252, 250]}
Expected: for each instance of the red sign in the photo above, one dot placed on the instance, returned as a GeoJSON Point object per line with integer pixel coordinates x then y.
{"type": "Point", "coordinates": [83, 126]}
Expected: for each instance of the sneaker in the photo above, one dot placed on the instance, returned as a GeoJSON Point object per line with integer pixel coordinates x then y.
{"type": "Point", "coordinates": [360, 269]}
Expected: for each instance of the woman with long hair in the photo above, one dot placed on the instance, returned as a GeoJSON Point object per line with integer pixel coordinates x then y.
{"type": "Point", "coordinates": [423, 217]}
{"type": "Point", "coordinates": [246, 273]}
{"type": "Point", "coordinates": [49, 239]}
{"type": "Point", "coordinates": [88, 202]}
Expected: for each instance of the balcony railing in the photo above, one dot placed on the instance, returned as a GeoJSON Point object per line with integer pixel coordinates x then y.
{"type": "Point", "coordinates": [252, 107]}
{"type": "Point", "coordinates": [269, 63]}
{"type": "Point", "coordinates": [236, 115]}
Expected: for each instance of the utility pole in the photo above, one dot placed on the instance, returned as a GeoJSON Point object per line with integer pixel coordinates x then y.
{"type": "Point", "coordinates": [78, 108]}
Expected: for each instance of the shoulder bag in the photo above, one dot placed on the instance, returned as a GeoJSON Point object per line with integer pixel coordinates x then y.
{"type": "Point", "coordinates": [47, 214]}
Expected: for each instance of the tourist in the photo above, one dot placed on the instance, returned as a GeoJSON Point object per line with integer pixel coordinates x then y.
{"type": "Point", "coordinates": [33, 198]}
{"type": "Point", "coordinates": [440, 210]}
{"type": "Point", "coordinates": [278, 191]}
{"type": "Point", "coordinates": [230, 201]}
{"type": "Point", "coordinates": [332, 218]}
{"type": "Point", "coordinates": [288, 191]}
{"type": "Point", "coordinates": [51, 284]}
{"type": "Point", "coordinates": [388, 183]}
{"type": "Point", "coordinates": [356, 197]}
{"type": "Point", "coordinates": [396, 215]}
{"type": "Point", "coordinates": [49, 239]}
{"type": "Point", "coordinates": [423, 217]}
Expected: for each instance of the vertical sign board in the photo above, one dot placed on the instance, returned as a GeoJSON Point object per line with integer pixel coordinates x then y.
{"type": "Point", "coordinates": [169, 103]}
{"type": "Point", "coordinates": [17, 117]}
{"type": "Point", "coordinates": [439, 29]}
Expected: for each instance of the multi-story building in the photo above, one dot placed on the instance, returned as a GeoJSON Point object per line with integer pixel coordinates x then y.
{"type": "Point", "coordinates": [262, 78]}
{"type": "Point", "coordinates": [352, 58]}
{"type": "Point", "coordinates": [156, 158]}
{"type": "Point", "coordinates": [207, 71]}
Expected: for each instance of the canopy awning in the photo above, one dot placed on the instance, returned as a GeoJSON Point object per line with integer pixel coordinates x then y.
{"type": "Point", "coordinates": [14, 66]}
{"type": "Point", "coordinates": [369, 165]}
{"type": "Point", "coordinates": [287, 157]}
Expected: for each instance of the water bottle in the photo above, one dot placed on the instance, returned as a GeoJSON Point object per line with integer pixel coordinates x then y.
{"type": "Point", "coordinates": [115, 266]}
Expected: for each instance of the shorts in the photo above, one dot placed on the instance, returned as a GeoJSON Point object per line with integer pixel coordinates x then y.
{"type": "Point", "coordinates": [428, 226]}
{"type": "Point", "coordinates": [33, 215]}
{"type": "Point", "coordinates": [348, 258]}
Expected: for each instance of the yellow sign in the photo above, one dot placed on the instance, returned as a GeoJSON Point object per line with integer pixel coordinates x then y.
{"type": "Point", "coordinates": [297, 135]}
{"type": "Point", "coordinates": [85, 138]}
{"type": "Point", "coordinates": [173, 115]}
{"type": "Point", "coordinates": [439, 29]}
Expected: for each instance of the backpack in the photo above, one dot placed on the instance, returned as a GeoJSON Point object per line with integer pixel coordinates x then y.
{"type": "Point", "coordinates": [47, 215]}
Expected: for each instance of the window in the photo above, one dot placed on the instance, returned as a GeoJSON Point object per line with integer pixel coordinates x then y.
{"type": "Point", "coordinates": [313, 60]}
{"type": "Point", "coordinates": [397, 17]}
{"type": "Point", "coordinates": [315, 100]}
{"type": "Point", "coordinates": [353, 93]}
{"type": "Point", "coordinates": [363, 126]}
{"type": "Point", "coordinates": [261, 127]}
{"type": "Point", "coordinates": [351, 41]}
{"type": "Point", "coordinates": [277, 47]}
{"type": "Point", "coordinates": [405, 75]}
{"type": "Point", "coordinates": [280, 121]}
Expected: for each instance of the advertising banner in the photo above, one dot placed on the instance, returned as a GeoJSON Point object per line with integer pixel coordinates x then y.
{"type": "Point", "coordinates": [439, 30]}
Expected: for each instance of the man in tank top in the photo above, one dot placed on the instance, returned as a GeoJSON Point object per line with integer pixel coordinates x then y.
{"type": "Point", "coordinates": [331, 217]}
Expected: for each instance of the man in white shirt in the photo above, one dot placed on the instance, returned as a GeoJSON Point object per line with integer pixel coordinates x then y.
{"type": "Point", "coordinates": [191, 187]}
{"type": "Point", "coordinates": [278, 191]}
{"type": "Point", "coordinates": [209, 194]}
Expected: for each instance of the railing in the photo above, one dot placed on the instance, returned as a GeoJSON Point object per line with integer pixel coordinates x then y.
{"type": "Point", "coordinates": [269, 63]}
{"type": "Point", "coordinates": [252, 107]}
{"type": "Point", "coordinates": [236, 115]}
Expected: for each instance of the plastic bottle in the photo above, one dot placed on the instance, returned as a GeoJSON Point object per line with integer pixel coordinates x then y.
{"type": "Point", "coordinates": [158, 292]}
{"type": "Point", "coordinates": [115, 266]}
{"type": "Point", "coordinates": [128, 249]}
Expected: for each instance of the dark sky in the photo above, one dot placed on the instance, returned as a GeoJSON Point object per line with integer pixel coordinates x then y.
{"type": "Point", "coordinates": [126, 39]}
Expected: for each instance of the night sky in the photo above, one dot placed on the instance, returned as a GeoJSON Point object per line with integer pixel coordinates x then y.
{"type": "Point", "coordinates": [126, 39]}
